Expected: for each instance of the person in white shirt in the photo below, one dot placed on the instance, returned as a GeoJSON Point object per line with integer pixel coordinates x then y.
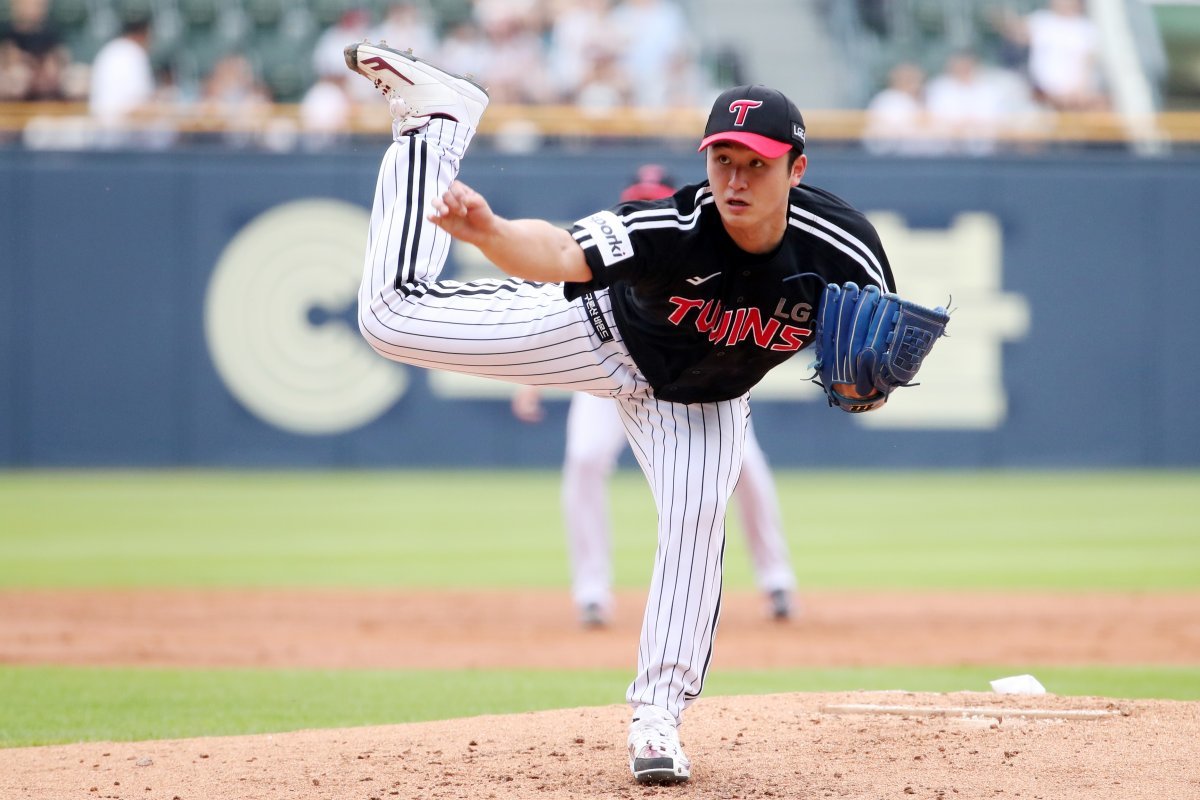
{"type": "Point", "coordinates": [966, 105]}
{"type": "Point", "coordinates": [1063, 61]}
{"type": "Point", "coordinates": [325, 112]}
{"type": "Point", "coordinates": [1064, 54]}
{"type": "Point", "coordinates": [122, 79]}
{"type": "Point", "coordinates": [896, 120]}
{"type": "Point", "coordinates": [653, 36]}
{"type": "Point", "coordinates": [581, 36]}
{"type": "Point", "coordinates": [353, 25]}
{"type": "Point", "coordinates": [406, 25]}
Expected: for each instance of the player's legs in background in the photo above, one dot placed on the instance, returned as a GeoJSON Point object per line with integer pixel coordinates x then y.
{"type": "Point", "coordinates": [691, 455]}
{"type": "Point", "coordinates": [757, 503]}
{"type": "Point", "coordinates": [595, 438]}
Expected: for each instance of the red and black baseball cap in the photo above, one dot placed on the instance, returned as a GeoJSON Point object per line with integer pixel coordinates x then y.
{"type": "Point", "coordinates": [762, 119]}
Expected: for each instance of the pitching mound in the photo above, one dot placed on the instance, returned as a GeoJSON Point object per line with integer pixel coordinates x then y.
{"type": "Point", "coordinates": [794, 746]}
{"type": "Point", "coordinates": [963, 745]}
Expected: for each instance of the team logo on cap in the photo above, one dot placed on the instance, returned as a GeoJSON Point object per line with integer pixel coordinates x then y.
{"type": "Point", "coordinates": [741, 108]}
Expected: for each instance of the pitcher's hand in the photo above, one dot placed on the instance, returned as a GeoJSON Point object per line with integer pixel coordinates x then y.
{"type": "Point", "coordinates": [463, 213]}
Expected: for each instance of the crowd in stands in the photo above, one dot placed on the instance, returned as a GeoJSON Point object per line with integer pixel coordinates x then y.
{"type": "Point", "coordinates": [596, 55]}
{"type": "Point", "coordinates": [1049, 62]}
{"type": "Point", "coordinates": [35, 63]}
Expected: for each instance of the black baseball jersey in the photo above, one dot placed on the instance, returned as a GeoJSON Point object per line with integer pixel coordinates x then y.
{"type": "Point", "coordinates": [703, 319]}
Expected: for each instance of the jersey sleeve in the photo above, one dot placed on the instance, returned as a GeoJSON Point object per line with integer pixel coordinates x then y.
{"type": "Point", "coordinates": [620, 243]}
{"type": "Point", "coordinates": [608, 247]}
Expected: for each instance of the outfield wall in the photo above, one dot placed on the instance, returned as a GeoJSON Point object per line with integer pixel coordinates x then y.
{"type": "Point", "coordinates": [196, 309]}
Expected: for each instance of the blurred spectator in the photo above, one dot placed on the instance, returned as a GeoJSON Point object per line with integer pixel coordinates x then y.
{"type": "Point", "coordinates": [654, 35]}
{"type": "Point", "coordinates": [123, 91]}
{"type": "Point", "coordinates": [516, 72]}
{"type": "Point", "coordinates": [897, 122]}
{"type": "Point", "coordinates": [1063, 46]}
{"type": "Point", "coordinates": [232, 89]}
{"type": "Point", "coordinates": [34, 62]}
{"type": "Point", "coordinates": [466, 51]}
{"type": "Point", "coordinates": [406, 26]}
{"type": "Point", "coordinates": [966, 106]}
{"type": "Point", "coordinates": [687, 84]}
{"type": "Point", "coordinates": [532, 11]}
{"type": "Point", "coordinates": [16, 72]}
{"type": "Point", "coordinates": [122, 76]}
{"type": "Point", "coordinates": [234, 95]}
{"type": "Point", "coordinates": [168, 91]}
{"type": "Point", "coordinates": [30, 29]}
{"type": "Point", "coordinates": [580, 36]}
{"type": "Point", "coordinates": [328, 58]}
{"type": "Point", "coordinates": [54, 77]}
{"type": "Point", "coordinates": [325, 112]}
{"type": "Point", "coordinates": [605, 86]}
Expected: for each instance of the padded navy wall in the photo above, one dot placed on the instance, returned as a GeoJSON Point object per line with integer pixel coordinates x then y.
{"type": "Point", "coordinates": [106, 261]}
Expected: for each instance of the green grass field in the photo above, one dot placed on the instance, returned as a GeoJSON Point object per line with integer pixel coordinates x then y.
{"type": "Point", "coordinates": [1127, 531]}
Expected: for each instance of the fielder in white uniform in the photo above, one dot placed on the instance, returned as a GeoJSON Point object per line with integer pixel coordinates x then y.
{"type": "Point", "coordinates": [674, 309]}
{"type": "Point", "coordinates": [595, 439]}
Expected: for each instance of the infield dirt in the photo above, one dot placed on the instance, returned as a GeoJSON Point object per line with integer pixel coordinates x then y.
{"type": "Point", "coordinates": [790, 745]}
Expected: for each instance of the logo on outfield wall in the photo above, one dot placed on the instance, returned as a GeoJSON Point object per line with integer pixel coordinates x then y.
{"type": "Point", "coordinates": [279, 319]}
{"type": "Point", "coordinates": [962, 381]}
{"type": "Point", "coordinates": [281, 328]}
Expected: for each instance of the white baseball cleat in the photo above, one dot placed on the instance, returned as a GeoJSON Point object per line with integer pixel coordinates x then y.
{"type": "Point", "coordinates": [655, 755]}
{"type": "Point", "coordinates": [424, 91]}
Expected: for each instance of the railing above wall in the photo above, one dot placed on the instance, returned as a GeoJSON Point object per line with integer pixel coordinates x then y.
{"type": "Point", "coordinates": [68, 125]}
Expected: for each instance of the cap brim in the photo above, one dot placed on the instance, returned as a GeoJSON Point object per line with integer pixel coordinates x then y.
{"type": "Point", "coordinates": [767, 148]}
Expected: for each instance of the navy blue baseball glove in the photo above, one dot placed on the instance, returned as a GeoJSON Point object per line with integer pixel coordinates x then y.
{"type": "Point", "coordinates": [869, 343]}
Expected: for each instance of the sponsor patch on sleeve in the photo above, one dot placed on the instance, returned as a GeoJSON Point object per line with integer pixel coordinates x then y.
{"type": "Point", "coordinates": [609, 235]}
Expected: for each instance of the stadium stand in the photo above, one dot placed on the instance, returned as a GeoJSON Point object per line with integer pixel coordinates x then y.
{"type": "Point", "coordinates": [832, 55]}
{"type": "Point", "coordinates": [1178, 25]}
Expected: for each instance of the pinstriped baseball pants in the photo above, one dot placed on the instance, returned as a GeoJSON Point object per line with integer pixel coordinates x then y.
{"type": "Point", "coordinates": [529, 333]}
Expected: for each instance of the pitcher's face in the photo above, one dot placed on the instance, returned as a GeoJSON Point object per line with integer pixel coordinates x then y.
{"type": "Point", "coordinates": [751, 190]}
